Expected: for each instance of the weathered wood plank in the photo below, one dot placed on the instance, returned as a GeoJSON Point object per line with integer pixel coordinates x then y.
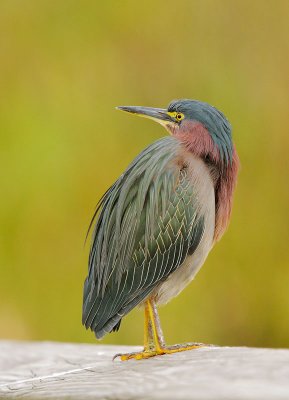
{"type": "Point", "coordinates": [80, 371]}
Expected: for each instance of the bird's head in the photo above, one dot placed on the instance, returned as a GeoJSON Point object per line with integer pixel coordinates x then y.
{"type": "Point", "coordinates": [201, 127]}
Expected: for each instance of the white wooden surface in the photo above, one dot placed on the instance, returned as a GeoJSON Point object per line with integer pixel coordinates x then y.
{"type": "Point", "coordinates": [79, 371]}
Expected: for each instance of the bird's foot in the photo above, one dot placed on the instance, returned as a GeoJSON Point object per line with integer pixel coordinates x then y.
{"type": "Point", "coordinates": [159, 352]}
{"type": "Point", "coordinates": [176, 348]}
{"type": "Point", "coordinates": [139, 355]}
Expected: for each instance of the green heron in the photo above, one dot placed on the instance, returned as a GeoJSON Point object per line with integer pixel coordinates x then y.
{"type": "Point", "coordinates": [155, 226]}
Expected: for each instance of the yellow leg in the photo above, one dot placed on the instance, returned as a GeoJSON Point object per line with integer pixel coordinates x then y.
{"type": "Point", "coordinates": [160, 346]}
{"type": "Point", "coordinates": [149, 346]}
{"type": "Point", "coordinates": [148, 332]}
{"type": "Point", "coordinates": [154, 343]}
{"type": "Point", "coordinates": [156, 326]}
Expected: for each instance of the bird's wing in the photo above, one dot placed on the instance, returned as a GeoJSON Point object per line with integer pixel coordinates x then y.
{"type": "Point", "coordinates": [149, 222]}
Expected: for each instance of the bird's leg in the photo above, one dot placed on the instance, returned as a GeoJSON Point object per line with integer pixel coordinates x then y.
{"type": "Point", "coordinates": [154, 343]}
{"type": "Point", "coordinates": [157, 332]}
{"type": "Point", "coordinates": [160, 347]}
{"type": "Point", "coordinates": [149, 344]}
{"type": "Point", "coordinates": [148, 331]}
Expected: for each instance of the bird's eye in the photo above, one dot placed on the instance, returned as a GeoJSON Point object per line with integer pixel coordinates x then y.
{"type": "Point", "coordinates": [179, 116]}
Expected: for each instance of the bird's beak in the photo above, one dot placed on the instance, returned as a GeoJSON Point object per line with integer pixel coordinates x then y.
{"type": "Point", "coordinates": [159, 115]}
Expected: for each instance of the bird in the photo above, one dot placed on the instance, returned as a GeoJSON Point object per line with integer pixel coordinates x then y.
{"type": "Point", "coordinates": [154, 227]}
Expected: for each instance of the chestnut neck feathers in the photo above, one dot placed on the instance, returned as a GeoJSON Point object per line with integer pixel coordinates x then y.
{"type": "Point", "coordinates": [205, 126]}
{"type": "Point", "coordinates": [207, 134]}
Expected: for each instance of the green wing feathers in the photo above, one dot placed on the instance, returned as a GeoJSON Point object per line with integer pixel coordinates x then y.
{"type": "Point", "coordinates": [147, 225]}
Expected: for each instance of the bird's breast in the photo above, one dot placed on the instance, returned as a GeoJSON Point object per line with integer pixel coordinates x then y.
{"type": "Point", "coordinates": [202, 183]}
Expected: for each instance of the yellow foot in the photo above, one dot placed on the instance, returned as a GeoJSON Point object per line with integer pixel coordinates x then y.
{"type": "Point", "coordinates": [176, 348]}
{"type": "Point", "coordinates": [159, 352]}
{"type": "Point", "coordinates": [137, 355]}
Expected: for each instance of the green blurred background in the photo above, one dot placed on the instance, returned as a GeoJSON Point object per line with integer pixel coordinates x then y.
{"type": "Point", "coordinates": [64, 66]}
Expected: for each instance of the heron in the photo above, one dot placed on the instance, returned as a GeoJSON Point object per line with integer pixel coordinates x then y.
{"type": "Point", "coordinates": [154, 227]}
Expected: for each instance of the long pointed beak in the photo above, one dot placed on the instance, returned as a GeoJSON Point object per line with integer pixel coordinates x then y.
{"type": "Point", "coordinates": [159, 115]}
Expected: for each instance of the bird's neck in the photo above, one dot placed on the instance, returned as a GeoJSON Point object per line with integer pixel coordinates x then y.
{"type": "Point", "coordinates": [224, 190]}
{"type": "Point", "coordinates": [199, 142]}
